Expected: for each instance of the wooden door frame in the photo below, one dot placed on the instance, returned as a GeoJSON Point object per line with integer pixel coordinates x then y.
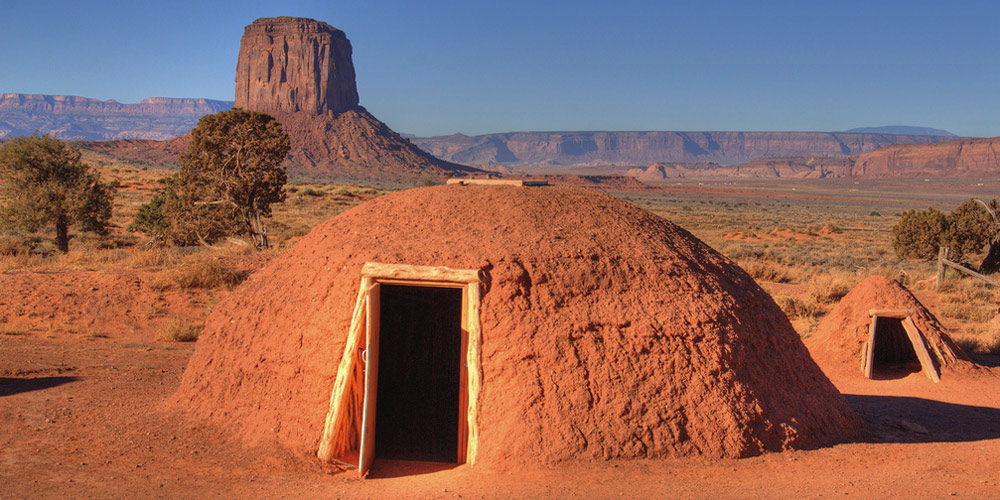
{"type": "Point", "coordinates": [350, 423]}
{"type": "Point", "coordinates": [913, 334]}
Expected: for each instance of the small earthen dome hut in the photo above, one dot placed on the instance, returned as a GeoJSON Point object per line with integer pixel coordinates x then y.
{"type": "Point", "coordinates": [880, 326]}
{"type": "Point", "coordinates": [590, 329]}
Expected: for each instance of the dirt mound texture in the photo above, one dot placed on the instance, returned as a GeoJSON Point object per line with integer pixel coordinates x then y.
{"type": "Point", "coordinates": [607, 332]}
{"type": "Point", "coordinates": [843, 332]}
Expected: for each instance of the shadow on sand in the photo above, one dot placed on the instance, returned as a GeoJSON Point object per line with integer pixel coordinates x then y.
{"type": "Point", "coordinates": [898, 419]}
{"type": "Point", "coordinates": [11, 386]}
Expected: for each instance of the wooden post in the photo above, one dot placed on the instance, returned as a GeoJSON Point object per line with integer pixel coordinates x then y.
{"type": "Point", "coordinates": [942, 256]}
{"type": "Point", "coordinates": [366, 456]}
{"type": "Point", "coordinates": [921, 349]}
{"type": "Point", "coordinates": [475, 371]}
{"type": "Point", "coordinates": [337, 432]}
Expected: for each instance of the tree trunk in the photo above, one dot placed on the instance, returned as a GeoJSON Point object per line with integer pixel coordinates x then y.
{"type": "Point", "coordinates": [62, 234]}
{"type": "Point", "coordinates": [264, 244]}
{"type": "Point", "coordinates": [991, 263]}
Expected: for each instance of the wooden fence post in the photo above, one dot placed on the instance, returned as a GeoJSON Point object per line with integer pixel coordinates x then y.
{"type": "Point", "coordinates": [942, 256]}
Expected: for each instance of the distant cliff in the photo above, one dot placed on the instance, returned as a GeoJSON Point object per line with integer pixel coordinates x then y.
{"type": "Point", "coordinates": [643, 148]}
{"type": "Point", "coordinates": [85, 119]}
{"type": "Point", "coordinates": [792, 168]}
{"type": "Point", "coordinates": [957, 158]}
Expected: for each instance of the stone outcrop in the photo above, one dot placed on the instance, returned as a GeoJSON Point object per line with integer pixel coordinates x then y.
{"type": "Point", "coordinates": [963, 158]}
{"type": "Point", "coordinates": [643, 148]}
{"type": "Point", "coordinates": [290, 64]}
{"type": "Point", "coordinates": [82, 118]}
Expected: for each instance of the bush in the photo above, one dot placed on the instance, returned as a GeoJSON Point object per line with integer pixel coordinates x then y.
{"type": "Point", "coordinates": [966, 230]}
{"type": "Point", "coordinates": [970, 228]}
{"type": "Point", "coordinates": [918, 234]}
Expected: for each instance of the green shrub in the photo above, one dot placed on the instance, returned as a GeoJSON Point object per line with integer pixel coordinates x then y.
{"type": "Point", "coordinates": [918, 234]}
{"type": "Point", "coordinates": [970, 228]}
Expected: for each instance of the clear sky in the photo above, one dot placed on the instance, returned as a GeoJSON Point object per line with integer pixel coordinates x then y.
{"type": "Point", "coordinates": [439, 67]}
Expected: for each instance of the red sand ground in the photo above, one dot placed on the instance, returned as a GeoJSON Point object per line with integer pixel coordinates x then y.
{"type": "Point", "coordinates": [83, 419]}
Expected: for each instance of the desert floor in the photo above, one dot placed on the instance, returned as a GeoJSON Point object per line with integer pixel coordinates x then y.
{"type": "Point", "coordinates": [82, 419]}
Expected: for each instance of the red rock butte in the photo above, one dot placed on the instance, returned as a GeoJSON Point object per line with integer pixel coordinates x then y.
{"type": "Point", "coordinates": [604, 332]}
{"type": "Point", "coordinates": [301, 71]}
{"type": "Point", "coordinates": [289, 64]}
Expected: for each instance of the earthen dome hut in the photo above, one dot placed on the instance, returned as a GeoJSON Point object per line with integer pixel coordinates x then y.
{"type": "Point", "coordinates": [883, 328]}
{"type": "Point", "coordinates": [589, 328]}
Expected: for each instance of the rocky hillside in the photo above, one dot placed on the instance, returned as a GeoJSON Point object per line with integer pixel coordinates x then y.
{"type": "Point", "coordinates": [85, 119]}
{"type": "Point", "coordinates": [643, 148]}
{"type": "Point", "coordinates": [961, 158]}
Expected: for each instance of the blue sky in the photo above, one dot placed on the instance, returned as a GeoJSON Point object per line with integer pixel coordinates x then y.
{"type": "Point", "coordinates": [440, 67]}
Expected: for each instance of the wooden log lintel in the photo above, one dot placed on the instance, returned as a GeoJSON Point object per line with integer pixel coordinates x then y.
{"type": "Point", "coordinates": [419, 273]}
{"type": "Point", "coordinates": [890, 313]}
{"type": "Point", "coordinates": [498, 182]}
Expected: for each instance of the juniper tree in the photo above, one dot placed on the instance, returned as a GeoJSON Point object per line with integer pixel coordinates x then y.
{"type": "Point", "coordinates": [233, 170]}
{"type": "Point", "coordinates": [46, 184]}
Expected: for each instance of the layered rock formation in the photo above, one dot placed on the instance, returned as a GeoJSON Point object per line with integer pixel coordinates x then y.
{"type": "Point", "coordinates": [794, 168]}
{"type": "Point", "coordinates": [964, 157]}
{"type": "Point", "coordinates": [82, 118]}
{"type": "Point", "coordinates": [295, 64]}
{"type": "Point", "coordinates": [301, 71]}
{"type": "Point", "coordinates": [641, 148]}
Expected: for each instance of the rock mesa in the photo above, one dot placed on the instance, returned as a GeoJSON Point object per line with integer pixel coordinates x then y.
{"type": "Point", "coordinates": [962, 158]}
{"type": "Point", "coordinates": [295, 64]}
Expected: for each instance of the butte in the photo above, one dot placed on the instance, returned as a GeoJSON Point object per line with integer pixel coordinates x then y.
{"type": "Point", "coordinates": [301, 71]}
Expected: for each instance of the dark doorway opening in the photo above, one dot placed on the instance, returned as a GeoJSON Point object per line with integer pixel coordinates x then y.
{"type": "Point", "coordinates": [420, 341]}
{"type": "Point", "coordinates": [893, 355]}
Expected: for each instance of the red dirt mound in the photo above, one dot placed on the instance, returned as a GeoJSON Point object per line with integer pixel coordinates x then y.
{"type": "Point", "coordinates": [842, 334]}
{"type": "Point", "coordinates": [607, 332]}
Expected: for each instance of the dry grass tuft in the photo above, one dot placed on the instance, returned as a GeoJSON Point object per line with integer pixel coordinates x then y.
{"type": "Point", "coordinates": [967, 311]}
{"type": "Point", "coordinates": [796, 309]}
{"type": "Point", "coordinates": [179, 330]}
{"type": "Point", "coordinates": [764, 271]}
{"type": "Point", "coordinates": [827, 288]}
{"type": "Point", "coordinates": [208, 273]}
